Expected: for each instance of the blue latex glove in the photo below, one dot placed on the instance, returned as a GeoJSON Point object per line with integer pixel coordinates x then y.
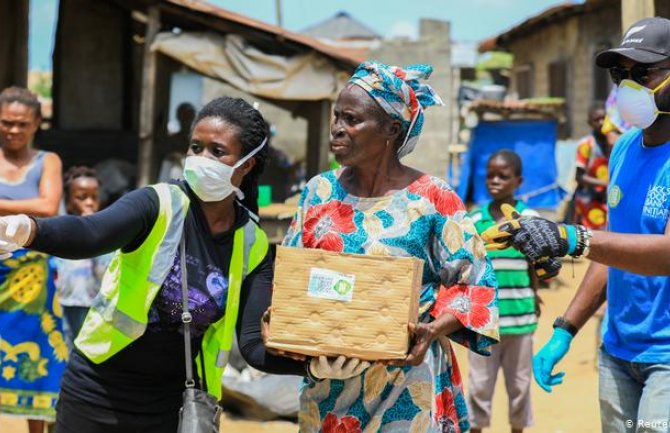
{"type": "Point", "coordinates": [546, 359]}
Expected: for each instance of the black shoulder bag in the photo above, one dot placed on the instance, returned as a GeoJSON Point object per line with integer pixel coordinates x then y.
{"type": "Point", "coordinates": [200, 412]}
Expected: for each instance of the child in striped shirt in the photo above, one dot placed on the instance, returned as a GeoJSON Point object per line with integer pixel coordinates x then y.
{"type": "Point", "coordinates": [518, 306]}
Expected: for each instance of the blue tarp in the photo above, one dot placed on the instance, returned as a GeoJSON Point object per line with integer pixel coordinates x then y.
{"type": "Point", "coordinates": [533, 140]}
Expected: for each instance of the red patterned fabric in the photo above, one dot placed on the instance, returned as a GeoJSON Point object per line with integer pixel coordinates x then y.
{"type": "Point", "coordinates": [346, 424]}
{"type": "Point", "coordinates": [324, 224]}
{"type": "Point", "coordinates": [469, 304]}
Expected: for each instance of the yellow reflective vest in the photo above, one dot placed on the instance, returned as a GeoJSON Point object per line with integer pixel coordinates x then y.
{"type": "Point", "coordinates": [119, 313]}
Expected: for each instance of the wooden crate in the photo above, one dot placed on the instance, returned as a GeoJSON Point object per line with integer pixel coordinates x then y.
{"type": "Point", "coordinates": [327, 303]}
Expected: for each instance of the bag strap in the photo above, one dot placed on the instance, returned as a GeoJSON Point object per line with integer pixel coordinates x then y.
{"type": "Point", "coordinates": [186, 317]}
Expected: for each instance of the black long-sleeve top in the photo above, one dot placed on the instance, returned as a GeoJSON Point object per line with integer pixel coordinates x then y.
{"type": "Point", "coordinates": [156, 360]}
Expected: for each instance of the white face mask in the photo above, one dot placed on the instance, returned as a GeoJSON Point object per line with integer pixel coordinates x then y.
{"type": "Point", "coordinates": [210, 180]}
{"type": "Point", "coordinates": [636, 103]}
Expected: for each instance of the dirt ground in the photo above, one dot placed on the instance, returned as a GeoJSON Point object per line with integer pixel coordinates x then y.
{"type": "Point", "coordinates": [572, 407]}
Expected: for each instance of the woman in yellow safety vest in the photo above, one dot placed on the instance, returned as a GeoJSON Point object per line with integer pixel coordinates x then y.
{"type": "Point", "coordinates": [127, 371]}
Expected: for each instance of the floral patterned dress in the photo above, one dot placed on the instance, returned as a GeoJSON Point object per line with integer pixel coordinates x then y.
{"type": "Point", "coordinates": [591, 201]}
{"type": "Point", "coordinates": [425, 220]}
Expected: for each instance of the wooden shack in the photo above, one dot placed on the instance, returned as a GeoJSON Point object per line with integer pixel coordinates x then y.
{"type": "Point", "coordinates": [111, 90]}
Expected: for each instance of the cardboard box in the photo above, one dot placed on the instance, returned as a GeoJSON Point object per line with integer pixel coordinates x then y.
{"type": "Point", "coordinates": [326, 303]}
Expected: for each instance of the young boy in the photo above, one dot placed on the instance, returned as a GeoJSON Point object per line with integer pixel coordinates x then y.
{"type": "Point", "coordinates": [517, 305]}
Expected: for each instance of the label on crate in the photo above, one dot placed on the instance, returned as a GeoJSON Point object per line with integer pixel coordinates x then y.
{"type": "Point", "coordinates": [327, 284]}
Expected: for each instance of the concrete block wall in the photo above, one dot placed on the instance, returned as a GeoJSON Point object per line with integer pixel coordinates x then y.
{"type": "Point", "coordinates": [575, 41]}
{"type": "Point", "coordinates": [595, 33]}
{"type": "Point", "coordinates": [434, 48]}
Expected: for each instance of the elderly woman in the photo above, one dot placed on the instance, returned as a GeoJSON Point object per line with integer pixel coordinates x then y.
{"type": "Point", "coordinates": [376, 205]}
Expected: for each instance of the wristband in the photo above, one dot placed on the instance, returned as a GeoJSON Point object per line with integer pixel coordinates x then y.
{"type": "Point", "coordinates": [584, 236]}
{"type": "Point", "coordinates": [561, 323]}
{"type": "Point", "coordinates": [571, 238]}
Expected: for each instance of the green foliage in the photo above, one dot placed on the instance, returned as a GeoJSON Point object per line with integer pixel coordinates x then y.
{"type": "Point", "coordinates": [547, 100]}
{"type": "Point", "coordinates": [40, 82]}
{"type": "Point", "coordinates": [495, 60]}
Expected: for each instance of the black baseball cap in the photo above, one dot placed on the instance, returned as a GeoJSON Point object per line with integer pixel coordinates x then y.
{"type": "Point", "coordinates": [646, 41]}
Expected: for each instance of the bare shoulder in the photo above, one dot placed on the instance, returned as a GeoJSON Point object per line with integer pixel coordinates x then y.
{"type": "Point", "coordinates": [413, 173]}
{"type": "Point", "coordinates": [51, 168]}
{"type": "Point", "coordinates": [52, 158]}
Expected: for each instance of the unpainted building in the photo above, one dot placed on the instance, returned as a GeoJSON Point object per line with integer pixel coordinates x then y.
{"type": "Point", "coordinates": [554, 55]}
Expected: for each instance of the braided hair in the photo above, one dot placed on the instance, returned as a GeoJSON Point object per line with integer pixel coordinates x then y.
{"type": "Point", "coordinates": [76, 172]}
{"type": "Point", "coordinates": [253, 129]}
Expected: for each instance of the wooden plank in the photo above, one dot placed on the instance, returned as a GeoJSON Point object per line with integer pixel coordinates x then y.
{"type": "Point", "coordinates": [22, 31]}
{"type": "Point", "coordinates": [318, 137]}
{"type": "Point", "coordinates": [662, 8]}
{"type": "Point", "coordinates": [635, 10]}
{"type": "Point", "coordinates": [148, 100]}
{"type": "Point", "coordinates": [14, 43]}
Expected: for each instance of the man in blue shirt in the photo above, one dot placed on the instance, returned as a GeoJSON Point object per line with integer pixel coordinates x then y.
{"type": "Point", "coordinates": [635, 356]}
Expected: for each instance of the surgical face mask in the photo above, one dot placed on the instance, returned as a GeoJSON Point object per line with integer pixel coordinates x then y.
{"type": "Point", "coordinates": [211, 180]}
{"type": "Point", "coordinates": [636, 103]}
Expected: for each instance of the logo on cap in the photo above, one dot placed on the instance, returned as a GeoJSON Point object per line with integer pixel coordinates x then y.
{"type": "Point", "coordinates": [635, 30]}
{"type": "Point", "coordinates": [628, 40]}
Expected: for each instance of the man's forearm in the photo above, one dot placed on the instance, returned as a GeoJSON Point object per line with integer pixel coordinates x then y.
{"type": "Point", "coordinates": [536, 237]}
{"type": "Point", "coordinates": [640, 254]}
{"type": "Point", "coordinates": [589, 297]}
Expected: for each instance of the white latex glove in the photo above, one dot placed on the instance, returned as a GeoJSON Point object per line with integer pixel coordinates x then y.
{"type": "Point", "coordinates": [14, 233]}
{"type": "Point", "coordinates": [336, 368]}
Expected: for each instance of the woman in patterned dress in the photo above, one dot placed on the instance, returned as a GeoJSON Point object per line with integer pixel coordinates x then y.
{"type": "Point", "coordinates": [30, 315]}
{"type": "Point", "coordinates": [376, 205]}
{"type": "Point", "coordinates": [592, 174]}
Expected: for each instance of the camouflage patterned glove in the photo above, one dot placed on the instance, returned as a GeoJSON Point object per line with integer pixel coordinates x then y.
{"type": "Point", "coordinates": [537, 238]}
{"type": "Point", "coordinates": [531, 236]}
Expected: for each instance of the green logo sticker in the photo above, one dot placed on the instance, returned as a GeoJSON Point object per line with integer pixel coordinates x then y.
{"type": "Point", "coordinates": [329, 284]}
{"type": "Point", "coordinates": [342, 287]}
{"type": "Point", "coordinates": [614, 196]}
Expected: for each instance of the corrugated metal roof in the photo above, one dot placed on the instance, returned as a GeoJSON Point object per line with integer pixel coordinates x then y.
{"type": "Point", "coordinates": [552, 107]}
{"type": "Point", "coordinates": [341, 26]}
{"type": "Point", "coordinates": [553, 14]}
{"type": "Point", "coordinates": [342, 55]}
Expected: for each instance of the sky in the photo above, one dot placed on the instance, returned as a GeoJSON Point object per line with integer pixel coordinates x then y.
{"type": "Point", "coordinates": [472, 20]}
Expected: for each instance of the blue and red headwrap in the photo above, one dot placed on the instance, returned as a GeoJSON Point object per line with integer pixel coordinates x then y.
{"type": "Point", "coordinates": [399, 92]}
